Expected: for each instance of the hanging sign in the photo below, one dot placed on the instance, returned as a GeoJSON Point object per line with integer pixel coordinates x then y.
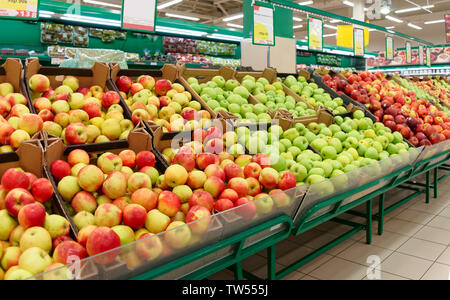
{"type": "Point", "coordinates": [139, 15]}
{"type": "Point", "coordinates": [408, 53]}
{"type": "Point", "coordinates": [428, 56]}
{"type": "Point", "coordinates": [263, 24]}
{"type": "Point", "coordinates": [447, 27]}
{"type": "Point", "coordinates": [389, 48]}
{"type": "Point", "coordinates": [421, 55]}
{"type": "Point", "coordinates": [23, 9]}
{"type": "Point", "coordinates": [315, 34]}
{"type": "Point", "coordinates": [358, 41]}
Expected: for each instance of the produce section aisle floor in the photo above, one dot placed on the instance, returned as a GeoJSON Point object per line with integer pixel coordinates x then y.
{"type": "Point", "coordinates": [415, 245]}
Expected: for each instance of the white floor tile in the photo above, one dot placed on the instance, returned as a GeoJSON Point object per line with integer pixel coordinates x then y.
{"type": "Point", "coordinates": [437, 272]}
{"type": "Point", "coordinates": [402, 227]}
{"type": "Point", "coordinates": [406, 266]}
{"type": "Point", "coordinates": [339, 269]}
{"type": "Point", "coordinates": [435, 235]}
{"type": "Point", "coordinates": [422, 249]}
{"type": "Point", "coordinates": [362, 253]}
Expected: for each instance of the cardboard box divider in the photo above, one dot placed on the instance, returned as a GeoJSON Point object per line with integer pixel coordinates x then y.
{"type": "Point", "coordinates": [168, 72]}
{"type": "Point", "coordinates": [30, 157]}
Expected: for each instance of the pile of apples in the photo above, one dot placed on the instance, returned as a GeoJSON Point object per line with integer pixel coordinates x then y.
{"type": "Point", "coordinates": [168, 105]}
{"type": "Point", "coordinates": [79, 115]}
{"type": "Point", "coordinates": [227, 95]}
{"type": "Point", "coordinates": [17, 124]}
{"type": "Point", "coordinates": [274, 97]}
{"type": "Point", "coordinates": [32, 239]}
{"type": "Point", "coordinates": [314, 95]}
{"type": "Point", "coordinates": [420, 122]}
{"type": "Point", "coordinates": [316, 152]}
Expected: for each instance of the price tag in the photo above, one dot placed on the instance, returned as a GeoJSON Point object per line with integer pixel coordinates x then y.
{"type": "Point", "coordinates": [315, 34]}
{"type": "Point", "coordinates": [19, 9]}
{"type": "Point", "coordinates": [139, 15]}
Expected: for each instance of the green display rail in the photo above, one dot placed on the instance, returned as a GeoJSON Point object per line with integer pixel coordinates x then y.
{"type": "Point", "coordinates": [403, 67]}
{"type": "Point", "coordinates": [235, 259]}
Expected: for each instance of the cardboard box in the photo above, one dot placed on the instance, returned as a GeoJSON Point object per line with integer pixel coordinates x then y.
{"type": "Point", "coordinates": [12, 71]}
{"type": "Point", "coordinates": [97, 75]}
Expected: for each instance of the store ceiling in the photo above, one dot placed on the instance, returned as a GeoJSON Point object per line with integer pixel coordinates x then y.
{"type": "Point", "coordinates": [214, 11]}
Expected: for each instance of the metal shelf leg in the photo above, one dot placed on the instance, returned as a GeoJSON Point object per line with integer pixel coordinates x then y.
{"type": "Point", "coordinates": [427, 187]}
{"type": "Point", "coordinates": [435, 183]}
{"type": "Point", "coordinates": [381, 213]}
{"type": "Point", "coordinates": [369, 222]}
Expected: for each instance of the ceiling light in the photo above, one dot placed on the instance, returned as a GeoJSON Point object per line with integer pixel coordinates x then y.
{"type": "Point", "coordinates": [305, 3]}
{"type": "Point", "coordinates": [235, 25]}
{"type": "Point", "coordinates": [182, 17]}
{"type": "Point", "coordinates": [180, 31]}
{"type": "Point", "coordinates": [353, 4]}
{"type": "Point", "coordinates": [85, 19]}
{"type": "Point", "coordinates": [335, 21]}
{"type": "Point", "coordinates": [414, 26]}
{"type": "Point", "coordinates": [385, 10]}
{"type": "Point", "coordinates": [46, 12]}
{"type": "Point", "coordinates": [330, 35]}
{"type": "Point", "coordinates": [167, 4]}
{"type": "Point", "coordinates": [390, 27]}
{"type": "Point", "coordinates": [298, 26]}
{"type": "Point", "coordinates": [235, 17]}
{"type": "Point", "coordinates": [102, 3]}
{"type": "Point", "coordinates": [372, 29]}
{"type": "Point", "coordinates": [330, 26]}
{"type": "Point", "coordinates": [394, 19]}
{"type": "Point", "coordinates": [434, 22]}
{"type": "Point", "coordinates": [297, 19]}
{"type": "Point", "coordinates": [391, 31]}
{"type": "Point", "coordinates": [400, 11]}
{"type": "Point", "coordinates": [224, 37]}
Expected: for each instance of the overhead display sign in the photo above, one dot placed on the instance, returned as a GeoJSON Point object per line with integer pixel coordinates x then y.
{"type": "Point", "coordinates": [263, 24]}
{"type": "Point", "coordinates": [408, 53]}
{"type": "Point", "coordinates": [358, 41]}
{"type": "Point", "coordinates": [19, 9]}
{"type": "Point", "coordinates": [389, 48]}
{"type": "Point", "coordinates": [428, 56]}
{"type": "Point", "coordinates": [139, 15]}
{"type": "Point", "coordinates": [315, 34]}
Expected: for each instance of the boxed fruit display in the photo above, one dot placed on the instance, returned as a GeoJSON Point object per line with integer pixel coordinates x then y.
{"type": "Point", "coordinates": [129, 206]}
{"type": "Point", "coordinates": [224, 94]}
{"type": "Point", "coordinates": [78, 105]}
{"type": "Point", "coordinates": [16, 120]}
{"type": "Point", "coordinates": [159, 98]}
{"type": "Point", "coordinates": [36, 235]}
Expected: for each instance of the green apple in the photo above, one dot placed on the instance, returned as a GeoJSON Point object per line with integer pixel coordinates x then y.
{"type": "Point", "coordinates": [329, 152]}
{"type": "Point", "coordinates": [295, 151]}
{"type": "Point", "coordinates": [371, 153]}
{"type": "Point", "coordinates": [319, 143]}
{"type": "Point", "coordinates": [299, 171]}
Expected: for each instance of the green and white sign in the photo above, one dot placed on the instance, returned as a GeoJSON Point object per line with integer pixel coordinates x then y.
{"type": "Point", "coordinates": [389, 48]}
{"type": "Point", "coordinates": [19, 9]}
{"type": "Point", "coordinates": [315, 34]}
{"type": "Point", "coordinates": [358, 41]}
{"type": "Point", "coordinates": [138, 15]}
{"type": "Point", "coordinates": [408, 53]}
{"type": "Point", "coordinates": [421, 55]}
{"type": "Point", "coordinates": [263, 24]}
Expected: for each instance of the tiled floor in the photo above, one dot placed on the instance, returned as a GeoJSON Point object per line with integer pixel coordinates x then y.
{"type": "Point", "coordinates": [415, 245]}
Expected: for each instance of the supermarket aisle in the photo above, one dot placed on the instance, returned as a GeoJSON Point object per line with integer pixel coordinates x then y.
{"type": "Point", "coordinates": [415, 245]}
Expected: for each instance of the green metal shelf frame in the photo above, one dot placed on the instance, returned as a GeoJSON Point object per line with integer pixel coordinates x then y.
{"type": "Point", "coordinates": [235, 259]}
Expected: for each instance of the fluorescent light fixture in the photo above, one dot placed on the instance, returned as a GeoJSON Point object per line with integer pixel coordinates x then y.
{"type": "Point", "coordinates": [349, 3]}
{"type": "Point", "coordinates": [394, 19]}
{"type": "Point", "coordinates": [298, 26]}
{"type": "Point", "coordinates": [400, 11]}
{"type": "Point", "coordinates": [330, 35]}
{"type": "Point", "coordinates": [414, 26]}
{"type": "Point", "coordinates": [385, 10]}
{"type": "Point", "coordinates": [86, 19]}
{"type": "Point", "coordinates": [297, 19]}
{"type": "Point", "coordinates": [180, 31]}
{"type": "Point", "coordinates": [370, 56]}
{"type": "Point", "coordinates": [302, 47]}
{"type": "Point", "coordinates": [167, 4]}
{"type": "Point", "coordinates": [341, 52]}
{"type": "Point", "coordinates": [182, 17]}
{"type": "Point", "coordinates": [235, 25]}
{"type": "Point", "coordinates": [372, 29]}
{"type": "Point", "coordinates": [330, 26]}
{"type": "Point", "coordinates": [305, 3]}
{"type": "Point", "coordinates": [46, 12]}
{"type": "Point", "coordinates": [235, 17]}
{"type": "Point", "coordinates": [224, 37]}
{"type": "Point", "coordinates": [391, 31]}
{"type": "Point", "coordinates": [102, 3]}
{"type": "Point", "coordinates": [434, 22]}
{"type": "Point", "coordinates": [335, 21]}
{"type": "Point", "coordinates": [390, 27]}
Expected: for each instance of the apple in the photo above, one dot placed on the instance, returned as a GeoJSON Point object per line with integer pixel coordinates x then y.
{"type": "Point", "coordinates": [247, 209]}
{"type": "Point", "coordinates": [18, 137]}
{"type": "Point", "coordinates": [110, 98]}
{"type": "Point", "coordinates": [90, 178]}
{"type": "Point", "coordinates": [175, 175]}
{"type": "Point", "coordinates": [100, 240]}
{"type": "Point", "coordinates": [83, 219]}
{"type": "Point", "coordinates": [280, 198]}
{"type": "Point", "coordinates": [14, 178]}
{"type": "Point", "coordinates": [233, 170]}
{"type": "Point", "coordinates": [239, 185]}
{"type": "Point", "coordinates": [205, 159]}
{"type": "Point", "coordinates": [124, 83]}
{"type": "Point", "coordinates": [68, 187]}
{"type": "Point", "coordinates": [10, 257]}
{"type": "Point", "coordinates": [16, 273]}
{"type": "Point", "coordinates": [287, 181]}
{"type": "Point", "coordinates": [39, 83]}
{"type": "Point", "coordinates": [125, 233]}
{"type": "Point", "coordinates": [252, 170]}
{"type": "Point", "coordinates": [269, 178]}
{"type": "Point", "coordinates": [31, 215]}
{"type": "Point", "coordinates": [264, 203]}
{"type": "Point", "coordinates": [36, 237]}
{"type": "Point", "coordinates": [115, 185]}
{"type": "Point", "coordinates": [58, 240]}
{"type": "Point", "coordinates": [216, 171]}
{"type": "Point", "coordinates": [184, 159]}
{"type": "Point", "coordinates": [162, 86]}
{"type": "Point", "coordinates": [16, 199]}
{"type": "Point", "coordinates": [229, 194]}
{"type": "Point", "coordinates": [111, 129]}
{"type": "Point", "coordinates": [76, 133]}
{"type": "Point", "coordinates": [149, 246]}
{"type": "Point", "coordinates": [151, 172]}
{"type": "Point", "coordinates": [254, 187]}
{"type": "Point", "coordinates": [169, 203]}
{"type": "Point", "coordinates": [145, 197]}
{"type": "Point", "coordinates": [34, 260]}
{"type": "Point", "coordinates": [14, 237]}
{"type": "Point", "coordinates": [122, 202]}
{"type": "Point", "coordinates": [198, 218]}
{"type": "Point", "coordinates": [84, 201]}
{"type": "Point", "coordinates": [7, 225]}
{"type": "Point", "coordinates": [178, 235]}
{"type": "Point", "coordinates": [69, 251]}
{"type": "Point", "coordinates": [107, 215]}
{"type": "Point", "coordinates": [223, 205]}
{"type": "Point", "coordinates": [137, 181]}
{"type": "Point", "coordinates": [261, 159]}
{"type": "Point", "coordinates": [196, 179]}
{"type": "Point", "coordinates": [214, 185]}
{"type": "Point", "coordinates": [57, 271]}
{"type": "Point", "coordinates": [145, 159]}
{"type": "Point", "coordinates": [156, 221]}
{"type": "Point", "coordinates": [202, 198]}
{"type": "Point", "coordinates": [128, 158]}
{"type": "Point", "coordinates": [134, 216]}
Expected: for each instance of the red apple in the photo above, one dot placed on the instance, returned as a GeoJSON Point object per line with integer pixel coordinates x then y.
{"type": "Point", "coordinates": [247, 209]}
{"type": "Point", "coordinates": [233, 170]}
{"type": "Point", "coordinates": [223, 205]}
{"type": "Point", "coordinates": [59, 240]}
{"type": "Point", "coordinates": [13, 178]}
{"type": "Point", "coordinates": [205, 159]}
{"type": "Point", "coordinates": [254, 188]}
{"type": "Point", "coordinates": [239, 185]}
{"type": "Point", "coordinates": [202, 198]}
{"type": "Point", "coordinates": [100, 240]}
{"type": "Point", "coordinates": [134, 215]}
{"type": "Point", "coordinates": [31, 215]}
{"type": "Point", "coordinates": [252, 170]}
{"type": "Point", "coordinates": [110, 98]}
{"type": "Point", "coordinates": [162, 86]}
{"type": "Point", "coordinates": [199, 219]}
{"type": "Point", "coordinates": [145, 159]}
{"type": "Point", "coordinates": [69, 251]}
{"type": "Point", "coordinates": [287, 181]}
{"type": "Point", "coordinates": [60, 169]}
{"type": "Point", "coordinates": [42, 190]}
{"type": "Point", "coordinates": [184, 159]}
{"type": "Point", "coordinates": [124, 83]}
{"type": "Point", "coordinates": [16, 199]}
